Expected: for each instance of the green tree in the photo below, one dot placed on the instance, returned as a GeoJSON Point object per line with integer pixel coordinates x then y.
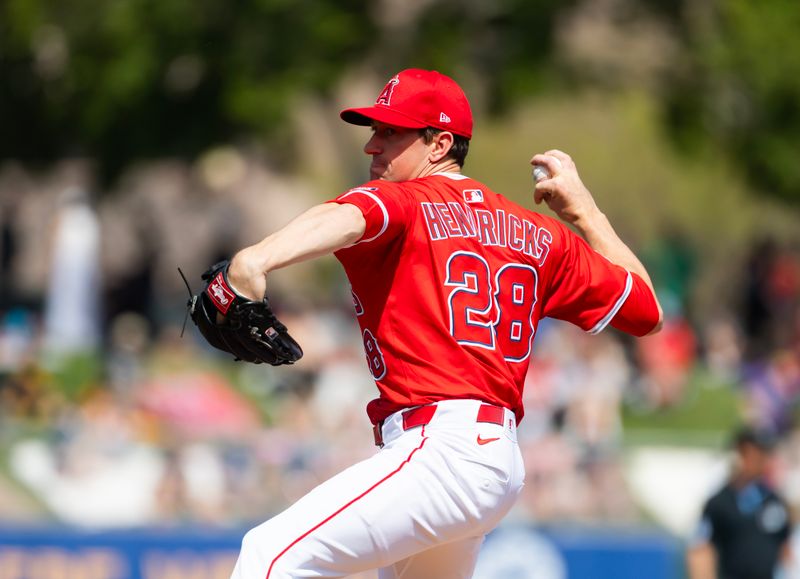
{"type": "Point", "coordinates": [129, 79]}
{"type": "Point", "coordinates": [741, 91]}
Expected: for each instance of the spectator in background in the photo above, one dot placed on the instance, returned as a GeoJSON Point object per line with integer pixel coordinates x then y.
{"type": "Point", "coordinates": [745, 526]}
{"type": "Point", "coordinates": [71, 315]}
{"type": "Point", "coordinates": [666, 360]}
{"type": "Point", "coordinates": [770, 298]}
{"type": "Point", "coordinates": [8, 247]}
{"type": "Point", "coordinates": [770, 372]}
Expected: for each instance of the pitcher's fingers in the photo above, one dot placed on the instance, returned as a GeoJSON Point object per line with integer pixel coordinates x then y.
{"type": "Point", "coordinates": [562, 158]}
{"type": "Point", "coordinates": [540, 193]}
{"type": "Point", "coordinates": [551, 163]}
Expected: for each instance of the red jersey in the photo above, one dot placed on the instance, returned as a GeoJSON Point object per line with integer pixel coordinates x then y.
{"type": "Point", "coordinates": [450, 281]}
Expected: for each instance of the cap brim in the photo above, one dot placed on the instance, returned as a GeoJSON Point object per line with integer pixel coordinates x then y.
{"type": "Point", "coordinates": [365, 116]}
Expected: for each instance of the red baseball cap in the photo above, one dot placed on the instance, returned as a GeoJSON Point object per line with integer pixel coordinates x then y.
{"type": "Point", "coordinates": [416, 99]}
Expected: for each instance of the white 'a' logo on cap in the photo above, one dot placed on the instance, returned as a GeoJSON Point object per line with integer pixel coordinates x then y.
{"type": "Point", "coordinates": [443, 118]}
{"type": "Point", "coordinates": [385, 98]}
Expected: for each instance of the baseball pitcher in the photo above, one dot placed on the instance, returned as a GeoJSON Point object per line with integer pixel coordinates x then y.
{"type": "Point", "coordinates": [449, 282]}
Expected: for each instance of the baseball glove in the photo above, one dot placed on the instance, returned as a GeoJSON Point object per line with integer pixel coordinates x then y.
{"type": "Point", "coordinates": [249, 329]}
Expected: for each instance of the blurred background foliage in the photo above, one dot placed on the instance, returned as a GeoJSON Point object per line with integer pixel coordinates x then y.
{"type": "Point", "coordinates": [131, 79]}
{"type": "Point", "coordinates": [740, 90]}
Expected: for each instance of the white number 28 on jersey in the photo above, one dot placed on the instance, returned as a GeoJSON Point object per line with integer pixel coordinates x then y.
{"type": "Point", "coordinates": [491, 309]}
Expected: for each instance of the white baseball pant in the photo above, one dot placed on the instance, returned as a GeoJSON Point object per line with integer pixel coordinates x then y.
{"type": "Point", "coordinates": [418, 509]}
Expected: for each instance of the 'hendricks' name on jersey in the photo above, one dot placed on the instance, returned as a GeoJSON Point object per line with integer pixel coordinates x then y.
{"type": "Point", "coordinates": [452, 219]}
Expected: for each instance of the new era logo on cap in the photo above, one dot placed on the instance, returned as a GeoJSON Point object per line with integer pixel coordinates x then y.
{"type": "Point", "coordinates": [415, 99]}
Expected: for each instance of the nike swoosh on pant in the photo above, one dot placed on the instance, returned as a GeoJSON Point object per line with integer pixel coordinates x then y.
{"type": "Point", "coordinates": [486, 440]}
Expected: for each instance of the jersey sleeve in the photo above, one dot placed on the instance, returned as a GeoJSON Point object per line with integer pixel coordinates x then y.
{"type": "Point", "coordinates": [584, 287]}
{"type": "Point", "coordinates": [385, 208]}
{"type": "Point", "coordinates": [639, 314]}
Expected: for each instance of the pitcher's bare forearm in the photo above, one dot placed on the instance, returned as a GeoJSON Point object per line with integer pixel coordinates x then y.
{"type": "Point", "coordinates": [321, 230]}
{"type": "Point", "coordinates": [701, 562]}
{"type": "Point", "coordinates": [598, 232]}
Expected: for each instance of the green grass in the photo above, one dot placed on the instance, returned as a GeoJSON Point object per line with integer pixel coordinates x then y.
{"type": "Point", "coordinates": [709, 410]}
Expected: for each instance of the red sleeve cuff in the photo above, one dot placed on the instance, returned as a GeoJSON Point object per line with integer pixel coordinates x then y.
{"type": "Point", "coordinates": [639, 314]}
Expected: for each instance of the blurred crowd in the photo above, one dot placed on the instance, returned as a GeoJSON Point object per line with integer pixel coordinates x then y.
{"type": "Point", "coordinates": [110, 417]}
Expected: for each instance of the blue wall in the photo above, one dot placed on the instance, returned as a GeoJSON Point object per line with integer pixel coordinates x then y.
{"type": "Point", "coordinates": [512, 552]}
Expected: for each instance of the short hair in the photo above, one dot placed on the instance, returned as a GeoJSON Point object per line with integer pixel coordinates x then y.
{"type": "Point", "coordinates": [458, 152]}
{"type": "Point", "coordinates": [762, 439]}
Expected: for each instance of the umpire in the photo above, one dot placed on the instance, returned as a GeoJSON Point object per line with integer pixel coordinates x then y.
{"type": "Point", "coordinates": [745, 527]}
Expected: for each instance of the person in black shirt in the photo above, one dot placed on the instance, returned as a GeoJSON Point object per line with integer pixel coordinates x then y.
{"type": "Point", "coordinates": [745, 527]}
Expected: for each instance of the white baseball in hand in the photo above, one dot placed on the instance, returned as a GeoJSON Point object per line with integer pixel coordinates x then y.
{"type": "Point", "coordinates": [540, 173]}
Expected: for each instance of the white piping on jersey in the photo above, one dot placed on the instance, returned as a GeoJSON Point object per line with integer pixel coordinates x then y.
{"type": "Point", "coordinates": [453, 176]}
{"type": "Point", "coordinates": [610, 315]}
{"type": "Point", "coordinates": [383, 210]}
